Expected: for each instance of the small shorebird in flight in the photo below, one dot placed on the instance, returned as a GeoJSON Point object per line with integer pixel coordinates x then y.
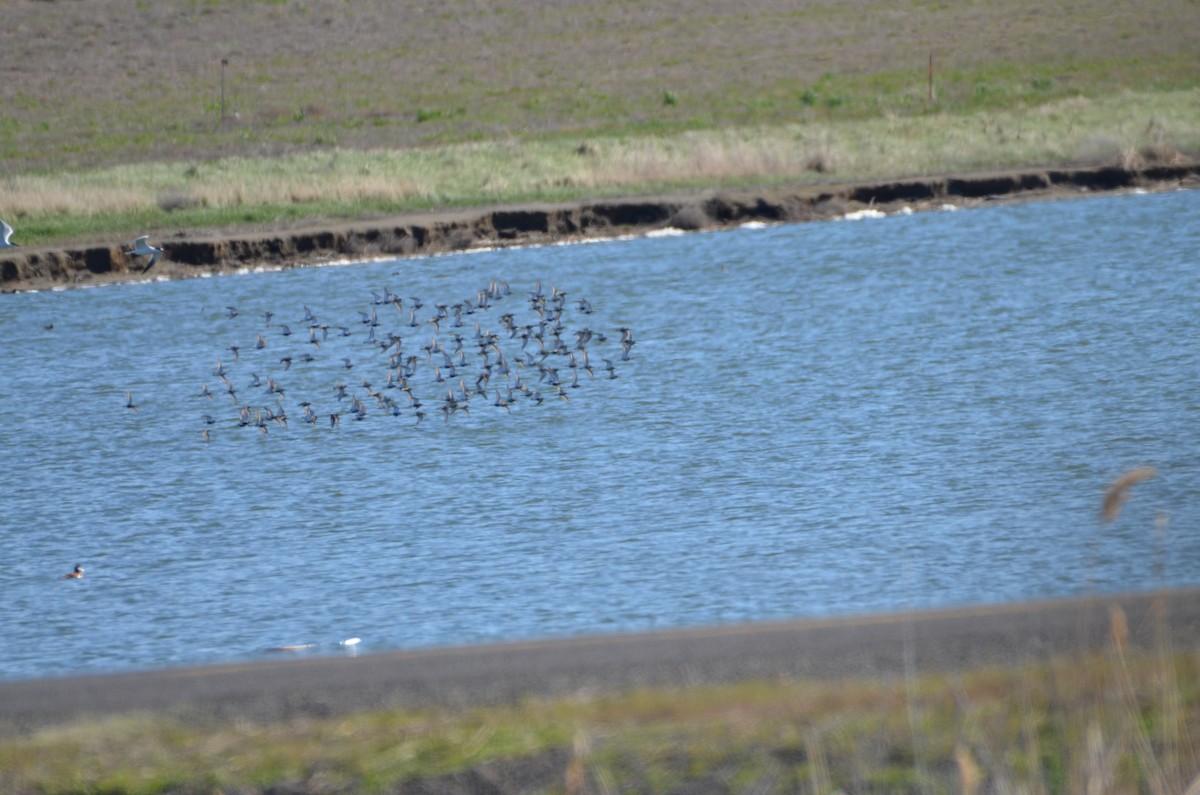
{"type": "Point", "coordinates": [142, 248]}
{"type": "Point", "coordinates": [5, 233]}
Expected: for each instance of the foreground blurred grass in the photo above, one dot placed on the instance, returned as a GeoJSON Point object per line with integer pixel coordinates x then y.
{"type": "Point", "coordinates": [1097, 723]}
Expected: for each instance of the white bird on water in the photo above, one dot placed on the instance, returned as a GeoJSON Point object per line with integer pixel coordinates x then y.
{"type": "Point", "coordinates": [6, 231]}
{"type": "Point", "coordinates": [142, 248]}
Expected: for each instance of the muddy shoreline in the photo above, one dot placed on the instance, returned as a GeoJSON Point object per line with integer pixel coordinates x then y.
{"type": "Point", "coordinates": [187, 256]}
{"type": "Point", "coordinates": [278, 687]}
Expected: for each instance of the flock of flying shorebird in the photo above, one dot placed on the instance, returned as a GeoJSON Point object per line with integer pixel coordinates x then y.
{"type": "Point", "coordinates": [522, 360]}
{"type": "Point", "coordinates": [446, 358]}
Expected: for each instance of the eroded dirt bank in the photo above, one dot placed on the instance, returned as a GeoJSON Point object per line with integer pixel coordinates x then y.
{"type": "Point", "coordinates": [186, 256]}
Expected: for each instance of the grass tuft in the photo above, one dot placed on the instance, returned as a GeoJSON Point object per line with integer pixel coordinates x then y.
{"type": "Point", "coordinates": [1118, 491]}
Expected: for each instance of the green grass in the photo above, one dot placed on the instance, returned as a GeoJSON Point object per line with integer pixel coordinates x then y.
{"type": "Point", "coordinates": [331, 183]}
{"type": "Point", "coordinates": [1062, 726]}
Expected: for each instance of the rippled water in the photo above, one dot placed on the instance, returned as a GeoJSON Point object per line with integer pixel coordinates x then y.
{"type": "Point", "coordinates": [816, 419]}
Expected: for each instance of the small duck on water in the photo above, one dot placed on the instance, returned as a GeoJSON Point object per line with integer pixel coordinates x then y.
{"type": "Point", "coordinates": [74, 574]}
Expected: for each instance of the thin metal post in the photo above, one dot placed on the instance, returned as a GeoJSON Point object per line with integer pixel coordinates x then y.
{"type": "Point", "coordinates": [931, 77]}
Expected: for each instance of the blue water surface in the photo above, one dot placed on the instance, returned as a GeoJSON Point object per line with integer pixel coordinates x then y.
{"type": "Point", "coordinates": [817, 419]}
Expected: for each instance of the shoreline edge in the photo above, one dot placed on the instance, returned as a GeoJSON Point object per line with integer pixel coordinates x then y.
{"type": "Point", "coordinates": [422, 234]}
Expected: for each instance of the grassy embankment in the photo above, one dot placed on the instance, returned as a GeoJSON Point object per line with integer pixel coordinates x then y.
{"type": "Point", "coordinates": [461, 106]}
{"type": "Point", "coordinates": [1123, 721]}
{"type": "Point", "coordinates": [348, 184]}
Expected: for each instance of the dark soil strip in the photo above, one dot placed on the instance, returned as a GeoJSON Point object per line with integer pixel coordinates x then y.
{"type": "Point", "coordinates": [185, 256]}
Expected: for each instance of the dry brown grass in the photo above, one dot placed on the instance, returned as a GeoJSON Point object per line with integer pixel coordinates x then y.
{"type": "Point", "coordinates": [351, 183]}
{"type": "Point", "coordinates": [1118, 491]}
